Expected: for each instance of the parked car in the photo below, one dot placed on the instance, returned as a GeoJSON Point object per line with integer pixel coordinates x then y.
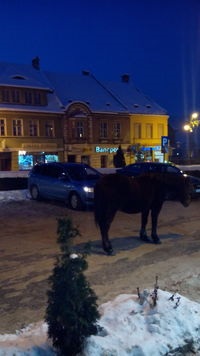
{"type": "Point", "coordinates": [72, 183]}
{"type": "Point", "coordinates": [139, 168]}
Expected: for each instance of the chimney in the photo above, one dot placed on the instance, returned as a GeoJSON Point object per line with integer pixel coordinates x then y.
{"type": "Point", "coordinates": [36, 63]}
{"type": "Point", "coordinates": [125, 78]}
{"type": "Point", "coordinates": [85, 72]}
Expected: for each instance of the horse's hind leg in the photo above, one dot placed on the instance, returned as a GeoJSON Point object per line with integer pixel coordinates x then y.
{"type": "Point", "coordinates": [154, 218]}
{"type": "Point", "coordinates": [143, 233]}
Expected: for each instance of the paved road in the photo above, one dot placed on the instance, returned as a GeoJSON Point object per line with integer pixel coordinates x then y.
{"type": "Point", "coordinates": [28, 248]}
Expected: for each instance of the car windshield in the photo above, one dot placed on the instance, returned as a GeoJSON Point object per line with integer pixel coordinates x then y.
{"type": "Point", "coordinates": [82, 173]}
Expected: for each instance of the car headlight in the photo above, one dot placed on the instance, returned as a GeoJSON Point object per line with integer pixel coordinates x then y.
{"type": "Point", "coordinates": [88, 189]}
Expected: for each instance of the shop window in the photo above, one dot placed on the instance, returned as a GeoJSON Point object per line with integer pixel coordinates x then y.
{"type": "Point", "coordinates": [104, 161]}
{"type": "Point", "coordinates": [17, 127]}
{"type": "Point", "coordinates": [71, 158]}
{"type": "Point", "coordinates": [33, 128]}
{"type": "Point", "coordinates": [51, 158]}
{"type": "Point", "coordinates": [5, 161]}
{"type": "Point", "coordinates": [85, 159]}
{"type": "Point", "coordinates": [25, 161]}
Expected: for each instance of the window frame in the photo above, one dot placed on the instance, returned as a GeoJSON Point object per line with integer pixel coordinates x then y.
{"type": "Point", "coordinates": [103, 133]}
{"type": "Point", "coordinates": [33, 127]}
{"type": "Point", "coordinates": [17, 124]}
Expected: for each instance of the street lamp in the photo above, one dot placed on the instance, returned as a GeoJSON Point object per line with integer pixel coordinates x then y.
{"type": "Point", "coordinates": [193, 122]}
{"type": "Point", "coordinates": [188, 127]}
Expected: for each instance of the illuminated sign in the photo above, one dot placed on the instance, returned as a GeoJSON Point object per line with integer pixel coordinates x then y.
{"type": "Point", "coordinates": [106, 149]}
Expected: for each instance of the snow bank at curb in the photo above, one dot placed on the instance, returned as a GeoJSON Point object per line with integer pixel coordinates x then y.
{"type": "Point", "coordinates": [13, 195]}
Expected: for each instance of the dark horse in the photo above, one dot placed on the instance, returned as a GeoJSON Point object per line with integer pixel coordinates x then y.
{"type": "Point", "coordinates": [142, 194]}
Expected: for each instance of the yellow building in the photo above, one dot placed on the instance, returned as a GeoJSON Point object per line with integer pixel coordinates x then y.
{"type": "Point", "coordinates": [106, 115]}
{"type": "Point", "coordinates": [50, 116]}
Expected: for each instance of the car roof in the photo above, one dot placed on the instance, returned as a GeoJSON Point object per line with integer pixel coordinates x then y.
{"type": "Point", "coordinates": [64, 164]}
{"type": "Point", "coordinates": [152, 163]}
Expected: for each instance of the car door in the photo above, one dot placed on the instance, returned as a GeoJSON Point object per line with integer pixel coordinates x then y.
{"type": "Point", "coordinates": [57, 183]}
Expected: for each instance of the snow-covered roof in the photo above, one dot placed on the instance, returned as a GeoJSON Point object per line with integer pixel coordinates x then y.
{"type": "Point", "coordinates": [133, 99]}
{"type": "Point", "coordinates": [22, 75]}
{"type": "Point", "coordinates": [64, 89]}
{"type": "Point", "coordinates": [118, 97]}
{"type": "Point", "coordinates": [86, 89]}
{"type": "Point", "coordinates": [26, 76]}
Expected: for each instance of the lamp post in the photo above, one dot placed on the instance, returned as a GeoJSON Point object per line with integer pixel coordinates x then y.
{"type": "Point", "coordinates": [188, 127]}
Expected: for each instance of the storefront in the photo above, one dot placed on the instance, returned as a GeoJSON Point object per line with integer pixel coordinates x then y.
{"type": "Point", "coordinates": [26, 160]}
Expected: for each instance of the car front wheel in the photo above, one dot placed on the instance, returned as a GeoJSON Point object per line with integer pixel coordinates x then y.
{"type": "Point", "coordinates": [75, 202]}
{"type": "Point", "coordinates": [35, 195]}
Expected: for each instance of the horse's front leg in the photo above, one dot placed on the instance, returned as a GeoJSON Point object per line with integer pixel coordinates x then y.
{"type": "Point", "coordinates": [104, 228]}
{"type": "Point", "coordinates": [144, 220]}
{"type": "Point", "coordinates": [154, 220]}
{"type": "Point", "coordinates": [106, 244]}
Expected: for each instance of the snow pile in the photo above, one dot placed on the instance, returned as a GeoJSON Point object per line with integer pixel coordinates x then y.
{"type": "Point", "coordinates": [126, 327]}
{"type": "Point", "coordinates": [16, 195]}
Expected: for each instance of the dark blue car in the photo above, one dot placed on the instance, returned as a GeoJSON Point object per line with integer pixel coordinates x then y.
{"type": "Point", "coordinates": [72, 183]}
{"type": "Point", "coordinates": [136, 169]}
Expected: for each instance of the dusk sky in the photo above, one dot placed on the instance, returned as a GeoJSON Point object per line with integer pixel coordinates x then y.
{"type": "Point", "coordinates": [157, 42]}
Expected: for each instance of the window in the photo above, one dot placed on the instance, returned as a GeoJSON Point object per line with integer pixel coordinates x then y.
{"type": "Point", "coordinates": [33, 127]}
{"type": "Point", "coordinates": [103, 129]}
{"type": "Point", "coordinates": [5, 95]}
{"type": "Point", "coordinates": [2, 127]}
{"type": "Point", "coordinates": [79, 129]}
{"type": "Point", "coordinates": [17, 127]}
{"type": "Point", "coordinates": [28, 97]}
{"type": "Point", "coordinates": [15, 96]}
{"type": "Point", "coordinates": [37, 98]}
{"type": "Point", "coordinates": [149, 131]}
{"type": "Point", "coordinates": [137, 130]}
{"type": "Point", "coordinates": [104, 161]}
{"type": "Point", "coordinates": [49, 128]}
{"type": "Point", "coordinates": [116, 130]}
{"type": "Point", "coordinates": [160, 130]}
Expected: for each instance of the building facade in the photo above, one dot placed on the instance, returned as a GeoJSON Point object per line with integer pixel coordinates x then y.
{"type": "Point", "coordinates": [62, 117]}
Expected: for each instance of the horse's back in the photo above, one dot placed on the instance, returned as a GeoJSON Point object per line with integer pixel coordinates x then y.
{"type": "Point", "coordinates": [118, 192]}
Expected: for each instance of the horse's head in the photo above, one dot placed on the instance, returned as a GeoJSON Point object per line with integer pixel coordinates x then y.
{"type": "Point", "coordinates": [184, 190]}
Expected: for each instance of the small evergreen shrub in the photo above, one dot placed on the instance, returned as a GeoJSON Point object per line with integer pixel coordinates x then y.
{"type": "Point", "coordinates": [71, 312]}
{"type": "Point", "coordinates": [119, 159]}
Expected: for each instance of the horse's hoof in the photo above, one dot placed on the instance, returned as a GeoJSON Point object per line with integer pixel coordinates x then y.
{"type": "Point", "coordinates": [157, 241]}
{"type": "Point", "coordinates": [145, 239]}
{"type": "Point", "coordinates": [109, 251]}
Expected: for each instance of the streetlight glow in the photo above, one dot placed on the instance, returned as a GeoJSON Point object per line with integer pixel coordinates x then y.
{"type": "Point", "coordinates": [194, 115]}
{"type": "Point", "coordinates": [187, 127]}
{"type": "Point", "coordinates": [194, 121]}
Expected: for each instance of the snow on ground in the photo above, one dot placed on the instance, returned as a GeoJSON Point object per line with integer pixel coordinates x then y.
{"type": "Point", "coordinates": [128, 326]}
{"type": "Point", "coordinates": [13, 195]}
